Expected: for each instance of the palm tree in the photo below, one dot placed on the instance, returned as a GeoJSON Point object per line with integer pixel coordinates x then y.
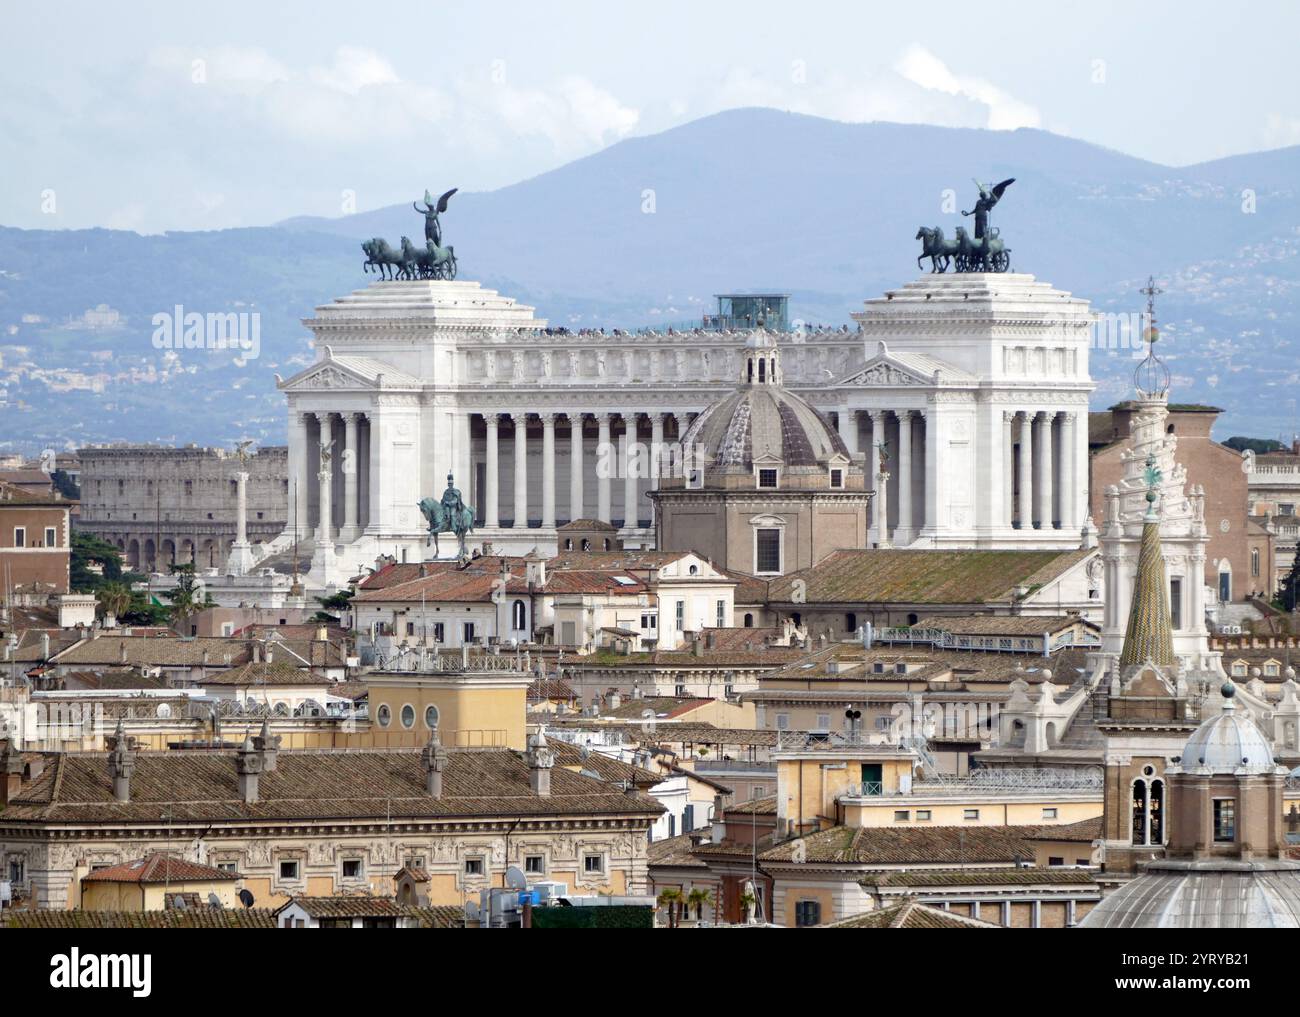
{"type": "Point", "coordinates": [185, 599]}
{"type": "Point", "coordinates": [113, 600]}
{"type": "Point", "coordinates": [670, 898]}
{"type": "Point", "coordinates": [697, 898]}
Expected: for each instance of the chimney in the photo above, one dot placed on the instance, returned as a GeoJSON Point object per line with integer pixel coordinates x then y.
{"type": "Point", "coordinates": [257, 653]}
{"type": "Point", "coordinates": [718, 831]}
{"type": "Point", "coordinates": [11, 772]}
{"type": "Point", "coordinates": [697, 645]}
{"type": "Point", "coordinates": [121, 651]}
{"type": "Point", "coordinates": [45, 646]}
{"type": "Point", "coordinates": [248, 764]}
{"type": "Point", "coordinates": [540, 759]}
{"type": "Point", "coordinates": [121, 764]}
{"type": "Point", "coordinates": [615, 700]}
{"type": "Point", "coordinates": [268, 745]}
{"type": "Point", "coordinates": [434, 758]}
{"type": "Point", "coordinates": [710, 640]}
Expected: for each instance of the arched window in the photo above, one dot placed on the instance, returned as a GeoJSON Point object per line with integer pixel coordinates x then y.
{"type": "Point", "coordinates": [1156, 811]}
{"type": "Point", "coordinates": [518, 616]}
{"type": "Point", "coordinates": [1254, 562]}
{"type": "Point", "coordinates": [749, 621]}
{"type": "Point", "coordinates": [1140, 812]}
{"type": "Point", "coordinates": [568, 543]}
{"type": "Point", "coordinates": [850, 622]}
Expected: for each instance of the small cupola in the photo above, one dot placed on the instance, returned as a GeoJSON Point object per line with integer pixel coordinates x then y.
{"type": "Point", "coordinates": [762, 361]}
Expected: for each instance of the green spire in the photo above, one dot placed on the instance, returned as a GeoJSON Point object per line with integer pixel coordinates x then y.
{"type": "Point", "coordinates": [1149, 636]}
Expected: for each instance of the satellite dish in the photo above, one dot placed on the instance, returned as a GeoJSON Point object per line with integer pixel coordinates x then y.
{"type": "Point", "coordinates": [246, 898]}
{"type": "Point", "coordinates": [178, 902]}
{"type": "Point", "coordinates": [214, 900]}
{"type": "Point", "coordinates": [515, 878]}
{"type": "Point", "coordinates": [471, 911]}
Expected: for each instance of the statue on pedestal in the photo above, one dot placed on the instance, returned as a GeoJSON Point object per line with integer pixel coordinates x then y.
{"type": "Point", "coordinates": [449, 514]}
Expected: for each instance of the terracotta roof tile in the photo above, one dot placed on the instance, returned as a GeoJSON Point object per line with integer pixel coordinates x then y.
{"type": "Point", "coordinates": [159, 868]}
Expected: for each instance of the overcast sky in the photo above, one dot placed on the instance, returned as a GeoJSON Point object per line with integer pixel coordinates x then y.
{"type": "Point", "coordinates": [173, 116]}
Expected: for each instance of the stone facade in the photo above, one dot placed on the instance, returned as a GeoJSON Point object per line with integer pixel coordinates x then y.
{"type": "Point", "coordinates": [417, 380]}
{"type": "Point", "coordinates": [181, 501]}
{"type": "Point", "coordinates": [34, 544]}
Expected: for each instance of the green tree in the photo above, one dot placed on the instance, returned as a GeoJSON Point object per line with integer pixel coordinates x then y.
{"type": "Point", "coordinates": [186, 600]}
{"type": "Point", "coordinates": [114, 599]}
{"type": "Point", "coordinates": [1289, 591]}
{"type": "Point", "coordinates": [671, 898]}
{"type": "Point", "coordinates": [336, 602]}
{"type": "Point", "coordinates": [1257, 445]}
{"type": "Point", "coordinates": [64, 484]}
{"type": "Point", "coordinates": [94, 563]}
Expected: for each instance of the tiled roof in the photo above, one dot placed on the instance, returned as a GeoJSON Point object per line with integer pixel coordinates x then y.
{"type": "Point", "coordinates": [678, 852]}
{"type": "Point", "coordinates": [878, 576]}
{"type": "Point", "coordinates": [110, 679]}
{"type": "Point", "coordinates": [1001, 625]}
{"type": "Point", "coordinates": [588, 524]}
{"type": "Point", "coordinates": [690, 733]}
{"type": "Point", "coordinates": [203, 917]}
{"type": "Point", "coordinates": [203, 786]}
{"type": "Point", "coordinates": [939, 845]}
{"type": "Point", "coordinates": [24, 488]}
{"type": "Point", "coordinates": [175, 651]}
{"type": "Point", "coordinates": [1017, 876]}
{"type": "Point", "coordinates": [659, 707]}
{"type": "Point", "coordinates": [1084, 831]}
{"type": "Point", "coordinates": [159, 868]}
{"type": "Point", "coordinates": [550, 688]}
{"type": "Point", "coordinates": [755, 806]}
{"type": "Point", "coordinates": [278, 672]}
{"type": "Point", "coordinates": [614, 561]}
{"type": "Point", "coordinates": [910, 915]}
{"type": "Point", "coordinates": [603, 767]}
{"type": "Point", "coordinates": [347, 907]}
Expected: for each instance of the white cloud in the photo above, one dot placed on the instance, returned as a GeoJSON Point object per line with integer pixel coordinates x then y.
{"type": "Point", "coordinates": [921, 67]}
{"type": "Point", "coordinates": [1280, 131]}
{"type": "Point", "coordinates": [354, 69]}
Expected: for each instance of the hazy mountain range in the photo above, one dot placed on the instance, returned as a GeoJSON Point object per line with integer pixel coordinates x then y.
{"type": "Point", "coordinates": [644, 233]}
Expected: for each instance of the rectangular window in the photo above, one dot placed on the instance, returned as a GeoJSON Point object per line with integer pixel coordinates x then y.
{"type": "Point", "coordinates": [227, 866]}
{"type": "Point", "coordinates": [1049, 813]}
{"type": "Point", "coordinates": [823, 722]}
{"type": "Point", "coordinates": [679, 614]}
{"type": "Point", "coordinates": [20, 536]}
{"type": "Point", "coordinates": [970, 814]}
{"type": "Point", "coordinates": [721, 619]}
{"type": "Point", "coordinates": [289, 869]}
{"type": "Point", "coordinates": [51, 537]}
{"type": "Point", "coordinates": [767, 478]}
{"type": "Point", "coordinates": [593, 863]}
{"type": "Point", "coordinates": [352, 868]}
{"type": "Point", "coordinates": [439, 633]}
{"type": "Point", "coordinates": [1225, 820]}
{"type": "Point", "coordinates": [922, 815]}
{"type": "Point", "coordinates": [767, 553]}
{"type": "Point", "coordinates": [649, 622]}
{"type": "Point", "coordinates": [902, 816]}
{"type": "Point", "coordinates": [410, 628]}
{"type": "Point", "coordinates": [1053, 860]}
{"type": "Point", "coordinates": [837, 478]}
{"type": "Point", "coordinates": [783, 722]}
{"type": "Point", "coordinates": [473, 866]}
{"type": "Point", "coordinates": [1176, 601]}
{"type": "Point", "coordinates": [468, 630]}
{"type": "Point", "coordinates": [534, 864]}
{"type": "Point", "coordinates": [807, 913]}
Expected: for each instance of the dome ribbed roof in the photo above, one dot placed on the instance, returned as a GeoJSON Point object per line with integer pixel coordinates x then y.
{"type": "Point", "coordinates": [763, 420]}
{"type": "Point", "coordinates": [1228, 743]}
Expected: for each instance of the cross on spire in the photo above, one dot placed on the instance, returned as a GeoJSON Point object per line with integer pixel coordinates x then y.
{"type": "Point", "coordinates": [1151, 291]}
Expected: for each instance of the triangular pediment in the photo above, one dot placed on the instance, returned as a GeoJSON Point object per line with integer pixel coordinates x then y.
{"type": "Point", "coordinates": [346, 373]}
{"type": "Point", "coordinates": [903, 370]}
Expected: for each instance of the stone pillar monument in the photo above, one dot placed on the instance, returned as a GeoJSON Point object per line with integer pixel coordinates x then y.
{"type": "Point", "coordinates": [241, 557]}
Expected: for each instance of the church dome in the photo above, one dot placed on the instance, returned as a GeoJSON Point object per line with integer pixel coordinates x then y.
{"type": "Point", "coordinates": [1228, 743]}
{"type": "Point", "coordinates": [1217, 894]}
{"type": "Point", "coordinates": [761, 418]}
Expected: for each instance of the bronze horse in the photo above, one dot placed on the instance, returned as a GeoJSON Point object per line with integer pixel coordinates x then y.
{"type": "Point", "coordinates": [936, 247]}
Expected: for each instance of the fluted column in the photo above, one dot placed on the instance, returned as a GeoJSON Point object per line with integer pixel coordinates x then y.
{"type": "Point", "coordinates": [351, 500]}
{"type": "Point", "coordinates": [604, 462]}
{"type": "Point", "coordinates": [324, 478]}
{"type": "Point", "coordinates": [1026, 470]}
{"type": "Point", "coordinates": [873, 470]}
{"type": "Point", "coordinates": [629, 458]}
{"type": "Point", "coordinates": [521, 471]}
{"type": "Point", "coordinates": [905, 473]}
{"type": "Point", "coordinates": [847, 422]}
{"type": "Point", "coordinates": [1009, 466]}
{"type": "Point", "coordinates": [575, 467]}
{"type": "Point", "coordinates": [548, 470]}
{"type": "Point", "coordinates": [491, 494]}
{"type": "Point", "coordinates": [656, 458]}
{"type": "Point", "coordinates": [1067, 468]}
{"type": "Point", "coordinates": [300, 447]}
{"type": "Point", "coordinates": [1044, 422]}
